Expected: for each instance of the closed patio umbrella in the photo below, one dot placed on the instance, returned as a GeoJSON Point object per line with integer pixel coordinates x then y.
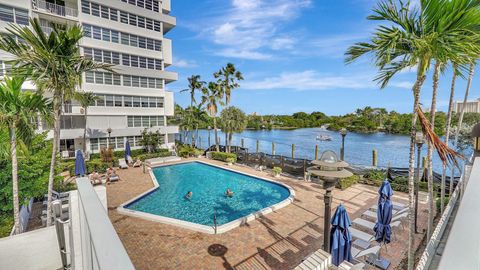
{"type": "Point", "coordinates": [382, 228]}
{"type": "Point", "coordinates": [128, 152]}
{"type": "Point", "coordinates": [340, 238]}
{"type": "Point", "coordinates": [79, 164]}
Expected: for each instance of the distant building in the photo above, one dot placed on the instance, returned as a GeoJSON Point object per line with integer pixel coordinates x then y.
{"type": "Point", "coordinates": [472, 106]}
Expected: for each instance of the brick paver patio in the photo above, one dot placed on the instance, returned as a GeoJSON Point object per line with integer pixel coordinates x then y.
{"type": "Point", "coordinates": [279, 240]}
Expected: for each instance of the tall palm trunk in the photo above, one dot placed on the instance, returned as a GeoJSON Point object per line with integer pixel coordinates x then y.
{"type": "Point", "coordinates": [230, 135]}
{"type": "Point", "coordinates": [447, 134]}
{"type": "Point", "coordinates": [411, 165]}
{"type": "Point", "coordinates": [16, 205]}
{"type": "Point", "coordinates": [462, 111]}
{"type": "Point", "coordinates": [433, 110]}
{"type": "Point", "coordinates": [216, 135]}
{"type": "Point", "coordinates": [85, 133]}
{"type": "Point", "coordinates": [53, 161]}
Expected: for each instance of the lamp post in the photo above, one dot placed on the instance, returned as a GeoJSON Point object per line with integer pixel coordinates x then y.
{"type": "Point", "coordinates": [330, 170]}
{"type": "Point", "coordinates": [419, 140]}
{"type": "Point", "coordinates": [343, 132]}
{"type": "Point", "coordinates": [109, 130]}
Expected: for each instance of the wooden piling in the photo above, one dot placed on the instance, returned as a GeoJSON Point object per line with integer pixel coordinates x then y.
{"type": "Point", "coordinates": [273, 148]}
{"type": "Point", "coordinates": [316, 152]}
{"type": "Point", "coordinates": [293, 150]}
{"type": "Point", "coordinates": [374, 158]}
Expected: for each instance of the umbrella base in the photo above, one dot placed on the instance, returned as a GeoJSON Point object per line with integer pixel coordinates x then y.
{"type": "Point", "coordinates": [380, 262]}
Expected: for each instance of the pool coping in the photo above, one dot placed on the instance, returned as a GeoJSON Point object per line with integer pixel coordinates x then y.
{"type": "Point", "coordinates": [199, 227]}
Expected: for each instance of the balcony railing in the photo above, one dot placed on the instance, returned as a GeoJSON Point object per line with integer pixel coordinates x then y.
{"type": "Point", "coordinates": [55, 9]}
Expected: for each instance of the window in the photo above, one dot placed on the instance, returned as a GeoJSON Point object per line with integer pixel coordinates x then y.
{"type": "Point", "coordinates": [145, 121]}
{"type": "Point", "coordinates": [158, 64]}
{"type": "Point", "coordinates": [107, 57]}
{"type": "Point", "coordinates": [141, 21]}
{"type": "Point", "coordinates": [149, 23]}
{"type": "Point", "coordinates": [151, 63]}
{"type": "Point", "coordinates": [127, 101]}
{"type": "Point", "coordinates": [130, 121]}
{"type": "Point", "coordinates": [93, 144]}
{"type": "Point", "coordinates": [135, 81]}
{"type": "Point", "coordinates": [115, 58]}
{"type": "Point", "coordinates": [142, 62]}
{"type": "Point", "coordinates": [103, 142]}
{"type": "Point", "coordinates": [131, 140]}
{"type": "Point", "coordinates": [158, 45]}
{"type": "Point", "coordinates": [159, 83]}
{"type": "Point", "coordinates": [114, 36]}
{"type": "Point", "coordinates": [137, 121]}
{"type": "Point", "coordinates": [116, 79]}
{"type": "Point", "coordinates": [156, 26]}
{"type": "Point", "coordinates": [149, 4]}
{"type": "Point", "coordinates": [108, 78]}
{"type": "Point", "coordinates": [87, 52]}
{"type": "Point", "coordinates": [127, 80]}
{"type": "Point", "coordinates": [113, 14]}
{"type": "Point", "coordinates": [125, 39]}
{"type": "Point", "coordinates": [95, 9]}
{"type": "Point", "coordinates": [152, 102]}
{"type": "Point", "coordinates": [87, 30]}
{"type": "Point", "coordinates": [89, 77]}
{"type": "Point", "coordinates": [118, 101]}
{"type": "Point", "coordinates": [125, 59]}
{"type": "Point", "coordinates": [85, 7]}
{"type": "Point", "coordinates": [97, 32]}
{"type": "Point", "coordinates": [120, 142]}
{"type": "Point", "coordinates": [160, 102]}
{"type": "Point", "coordinates": [155, 6]}
{"type": "Point", "coordinates": [105, 34]}
{"type": "Point", "coordinates": [144, 101]}
{"type": "Point", "coordinates": [6, 13]}
{"type": "Point", "coordinates": [109, 101]}
{"type": "Point", "coordinates": [101, 101]}
{"type": "Point", "coordinates": [132, 19]}
{"type": "Point", "coordinates": [153, 121]}
{"type": "Point", "coordinates": [97, 55]}
{"type": "Point", "coordinates": [142, 42]}
{"type": "Point", "coordinates": [144, 82]}
{"type": "Point", "coordinates": [134, 60]}
{"type": "Point", "coordinates": [138, 141]}
{"type": "Point", "coordinates": [136, 102]}
{"type": "Point", "coordinates": [105, 12]}
{"type": "Point", "coordinates": [21, 16]}
{"type": "Point", "coordinates": [123, 17]}
{"type": "Point", "coordinates": [133, 40]}
{"type": "Point", "coordinates": [150, 44]}
{"type": "Point", "coordinates": [98, 77]}
{"type": "Point", "coordinates": [131, 2]}
{"type": "Point", "coordinates": [141, 3]}
{"type": "Point", "coordinates": [151, 82]}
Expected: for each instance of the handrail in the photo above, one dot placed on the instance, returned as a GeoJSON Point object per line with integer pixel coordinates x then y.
{"type": "Point", "coordinates": [215, 220]}
{"type": "Point", "coordinates": [101, 246]}
{"type": "Point", "coordinates": [55, 9]}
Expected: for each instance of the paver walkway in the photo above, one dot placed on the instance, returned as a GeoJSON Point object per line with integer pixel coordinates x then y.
{"type": "Point", "coordinates": [279, 240]}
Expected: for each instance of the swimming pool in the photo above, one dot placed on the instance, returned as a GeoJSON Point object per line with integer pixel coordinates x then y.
{"type": "Point", "coordinates": [208, 184]}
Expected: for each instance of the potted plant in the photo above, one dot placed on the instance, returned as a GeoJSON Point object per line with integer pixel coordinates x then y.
{"type": "Point", "coordinates": [277, 171]}
{"type": "Point", "coordinates": [230, 161]}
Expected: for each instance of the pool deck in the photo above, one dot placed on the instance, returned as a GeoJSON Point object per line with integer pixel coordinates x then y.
{"type": "Point", "coordinates": [279, 240]}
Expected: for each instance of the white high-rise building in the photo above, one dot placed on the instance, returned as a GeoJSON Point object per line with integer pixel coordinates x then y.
{"type": "Point", "coordinates": [128, 34]}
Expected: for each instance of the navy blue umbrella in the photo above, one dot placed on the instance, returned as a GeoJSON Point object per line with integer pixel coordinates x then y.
{"type": "Point", "coordinates": [79, 164]}
{"type": "Point", "coordinates": [128, 151]}
{"type": "Point", "coordinates": [382, 228]}
{"type": "Point", "coordinates": [340, 238]}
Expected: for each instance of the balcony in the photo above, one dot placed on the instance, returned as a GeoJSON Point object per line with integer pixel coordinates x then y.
{"type": "Point", "coordinates": [55, 9]}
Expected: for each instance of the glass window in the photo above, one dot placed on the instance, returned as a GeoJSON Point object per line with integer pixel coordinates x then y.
{"type": "Point", "coordinates": [138, 141]}
{"type": "Point", "coordinates": [135, 81]}
{"type": "Point", "coordinates": [87, 52]}
{"type": "Point", "coordinates": [116, 79]}
{"type": "Point", "coordinates": [105, 12]}
{"type": "Point", "coordinates": [85, 7]}
{"type": "Point", "coordinates": [109, 100]}
{"type": "Point", "coordinates": [144, 101]}
{"type": "Point", "coordinates": [161, 121]}
{"type": "Point", "coordinates": [118, 101]}
{"type": "Point", "coordinates": [151, 63]}
{"type": "Point", "coordinates": [149, 23]}
{"type": "Point", "coordinates": [123, 17]}
{"type": "Point", "coordinates": [125, 39]}
{"type": "Point", "coordinates": [150, 44]}
{"type": "Point", "coordinates": [127, 80]}
{"type": "Point", "coordinates": [131, 140]}
{"type": "Point", "coordinates": [156, 26]}
{"type": "Point", "coordinates": [136, 102]}
{"type": "Point", "coordinates": [145, 121]}
{"type": "Point", "coordinates": [93, 144]}
{"type": "Point", "coordinates": [152, 101]}
{"type": "Point", "coordinates": [158, 45]}
{"type": "Point", "coordinates": [158, 64]}
{"type": "Point", "coordinates": [98, 77]}
{"type": "Point", "coordinates": [89, 77]}
{"type": "Point", "coordinates": [160, 102]}
{"type": "Point", "coordinates": [108, 78]}
{"type": "Point", "coordinates": [114, 36]}
{"type": "Point", "coordinates": [144, 82]}
{"type": "Point", "coordinates": [101, 101]}
{"type": "Point", "coordinates": [6, 13]}
{"type": "Point", "coordinates": [132, 19]}
{"type": "Point", "coordinates": [131, 2]}
{"type": "Point", "coordinates": [97, 55]}
{"type": "Point", "coordinates": [141, 3]}
{"type": "Point", "coordinates": [159, 83]}
{"type": "Point", "coordinates": [141, 21]}
{"type": "Point", "coordinates": [155, 6]}
{"type": "Point", "coordinates": [137, 121]}
{"type": "Point", "coordinates": [115, 58]}
{"type": "Point", "coordinates": [106, 34]}
{"type": "Point", "coordinates": [130, 121]}
{"type": "Point", "coordinates": [87, 30]}
{"type": "Point", "coordinates": [127, 100]}
{"type": "Point", "coordinates": [95, 9]}
{"type": "Point", "coordinates": [113, 14]}
{"type": "Point", "coordinates": [151, 82]}
{"type": "Point", "coordinates": [133, 41]}
{"type": "Point", "coordinates": [125, 59]}
{"type": "Point", "coordinates": [107, 57]}
{"type": "Point", "coordinates": [149, 4]}
{"type": "Point", "coordinates": [21, 16]}
{"type": "Point", "coordinates": [97, 32]}
{"type": "Point", "coordinates": [153, 121]}
{"type": "Point", "coordinates": [134, 60]}
{"type": "Point", "coordinates": [142, 62]}
{"type": "Point", "coordinates": [103, 142]}
{"type": "Point", "coordinates": [142, 42]}
{"type": "Point", "coordinates": [120, 142]}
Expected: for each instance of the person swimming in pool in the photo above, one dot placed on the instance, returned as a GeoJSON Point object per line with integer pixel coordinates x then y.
{"type": "Point", "coordinates": [188, 196]}
{"type": "Point", "coordinates": [229, 193]}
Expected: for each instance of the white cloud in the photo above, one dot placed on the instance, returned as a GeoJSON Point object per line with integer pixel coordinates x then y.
{"type": "Point", "coordinates": [335, 46]}
{"type": "Point", "coordinates": [182, 63]}
{"type": "Point", "coordinates": [253, 27]}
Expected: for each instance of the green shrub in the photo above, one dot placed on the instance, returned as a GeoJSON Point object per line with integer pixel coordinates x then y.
{"type": "Point", "coordinates": [347, 182]}
{"type": "Point", "coordinates": [445, 201]}
{"type": "Point", "coordinates": [277, 170]}
{"type": "Point", "coordinates": [6, 225]}
{"type": "Point", "coordinates": [223, 156]}
{"type": "Point", "coordinates": [376, 175]}
{"type": "Point", "coordinates": [230, 160]}
{"type": "Point", "coordinates": [188, 151]}
{"type": "Point", "coordinates": [98, 165]}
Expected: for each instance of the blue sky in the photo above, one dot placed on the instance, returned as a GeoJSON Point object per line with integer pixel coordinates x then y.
{"type": "Point", "coordinates": [291, 55]}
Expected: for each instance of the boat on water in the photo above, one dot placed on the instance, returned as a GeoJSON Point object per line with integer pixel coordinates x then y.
{"type": "Point", "coordinates": [323, 138]}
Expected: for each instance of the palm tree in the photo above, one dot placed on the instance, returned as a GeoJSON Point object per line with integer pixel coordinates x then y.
{"type": "Point", "coordinates": [17, 109]}
{"type": "Point", "coordinates": [233, 120]}
{"type": "Point", "coordinates": [194, 84]}
{"type": "Point", "coordinates": [198, 114]}
{"type": "Point", "coordinates": [212, 96]}
{"type": "Point", "coordinates": [465, 98]}
{"type": "Point", "coordinates": [55, 65]}
{"type": "Point", "coordinates": [228, 78]}
{"type": "Point", "coordinates": [85, 99]}
{"type": "Point", "coordinates": [411, 37]}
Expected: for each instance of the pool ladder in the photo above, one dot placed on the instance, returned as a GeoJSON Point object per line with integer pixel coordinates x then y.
{"type": "Point", "coordinates": [215, 220]}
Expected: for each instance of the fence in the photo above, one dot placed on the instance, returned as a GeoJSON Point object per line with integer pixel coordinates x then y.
{"type": "Point", "coordinates": [25, 212]}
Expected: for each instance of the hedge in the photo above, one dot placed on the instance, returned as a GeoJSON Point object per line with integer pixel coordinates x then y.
{"type": "Point", "coordinates": [223, 156]}
{"type": "Point", "coordinates": [347, 182]}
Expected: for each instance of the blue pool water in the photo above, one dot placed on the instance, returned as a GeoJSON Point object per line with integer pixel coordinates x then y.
{"type": "Point", "coordinates": [208, 184]}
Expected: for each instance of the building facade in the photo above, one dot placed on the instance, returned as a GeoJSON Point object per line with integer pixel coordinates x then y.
{"type": "Point", "coordinates": [472, 106]}
{"type": "Point", "coordinates": [128, 34]}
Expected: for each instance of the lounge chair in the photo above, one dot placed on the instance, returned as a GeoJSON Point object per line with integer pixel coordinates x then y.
{"type": "Point", "coordinates": [396, 206]}
{"type": "Point", "coordinates": [113, 178]}
{"type": "Point", "coordinates": [363, 239]}
{"type": "Point", "coordinates": [370, 225]}
{"type": "Point", "coordinates": [345, 265]}
{"type": "Point", "coordinates": [122, 163]}
{"type": "Point", "coordinates": [137, 163]}
{"type": "Point", "coordinates": [373, 215]}
{"type": "Point", "coordinates": [366, 255]}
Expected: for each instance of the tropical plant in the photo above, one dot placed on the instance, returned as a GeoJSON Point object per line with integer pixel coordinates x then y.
{"type": "Point", "coordinates": [55, 65]}
{"type": "Point", "coordinates": [212, 97]}
{"type": "Point", "coordinates": [194, 85]}
{"type": "Point", "coordinates": [151, 140]}
{"type": "Point", "coordinates": [86, 99]}
{"type": "Point", "coordinates": [227, 79]}
{"type": "Point", "coordinates": [412, 37]}
{"type": "Point", "coordinates": [17, 109]}
{"type": "Point", "coordinates": [233, 120]}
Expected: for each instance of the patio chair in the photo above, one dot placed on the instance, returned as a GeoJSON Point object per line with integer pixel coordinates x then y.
{"type": "Point", "coordinates": [373, 215]}
{"type": "Point", "coordinates": [137, 163]}
{"type": "Point", "coordinates": [396, 206]}
{"type": "Point", "coordinates": [363, 239]}
{"type": "Point", "coordinates": [366, 255]}
{"type": "Point", "coordinates": [370, 225]}
{"type": "Point", "coordinates": [345, 265]}
{"type": "Point", "coordinates": [122, 163]}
